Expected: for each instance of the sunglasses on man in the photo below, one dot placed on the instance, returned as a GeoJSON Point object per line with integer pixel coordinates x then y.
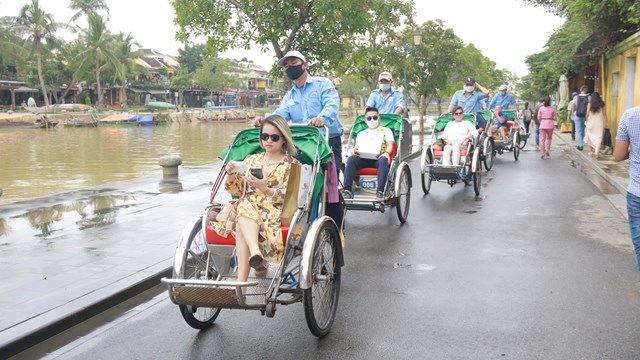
{"type": "Point", "coordinates": [370, 118]}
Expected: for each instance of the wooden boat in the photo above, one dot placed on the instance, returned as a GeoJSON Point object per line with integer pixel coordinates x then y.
{"type": "Point", "coordinates": [80, 123]}
{"type": "Point", "coordinates": [160, 105]}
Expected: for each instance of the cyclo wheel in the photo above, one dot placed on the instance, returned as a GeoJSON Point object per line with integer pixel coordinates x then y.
{"type": "Point", "coordinates": [195, 260]}
{"type": "Point", "coordinates": [321, 299]}
{"type": "Point", "coordinates": [404, 195]}
{"type": "Point", "coordinates": [426, 174]}
{"type": "Point", "coordinates": [489, 153]}
{"type": "Point", "coordinates": [477, 177]}
{"type": "Point", "coordinates": [523, 142]}
{"type": "Point", "coordinates": [516, 149]}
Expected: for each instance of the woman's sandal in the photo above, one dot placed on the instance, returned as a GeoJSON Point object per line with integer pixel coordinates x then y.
{"type": "Point", "coordinates": [258, 263]}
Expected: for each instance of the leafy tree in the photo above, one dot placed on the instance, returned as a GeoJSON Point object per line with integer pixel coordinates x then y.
{"type": "Point", "coordinates": [216, 74]}
{"type": "Point", "coordinates": [321, 29]}
{"type": "Point", "coordinates": [39, 27]}
{"type": "Point", "coordinates": [126, 64]}
{"type": "Point", "coordinates": [376, 49]}
{"type": "Point", "coordinates": [87, 7]}
{"type": "Point", "coordinates": [191, 57]}
{"type": "Point", "coordinates": [432, 65]}
{"type": "Point", "coordinates": [182, 80]}
{"type": "Point", "coordinates": [99, 43]}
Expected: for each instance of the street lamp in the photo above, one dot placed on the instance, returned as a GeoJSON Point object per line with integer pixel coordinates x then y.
{"type": "Point", "coordinates": [417, 39]}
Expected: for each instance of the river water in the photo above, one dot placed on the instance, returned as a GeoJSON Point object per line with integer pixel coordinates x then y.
{"type": "Point", "coordinates": [40, 162]}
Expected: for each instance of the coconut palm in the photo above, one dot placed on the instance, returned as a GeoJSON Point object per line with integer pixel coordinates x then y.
{"type": "Point", "coordinates": [38, 26]}
{"type": "Point", "coordinates": [87, 7]}
{"type": "Point", "coordinates": [126, 60]}
{"type": "Point", "coordinates": [99, 44]}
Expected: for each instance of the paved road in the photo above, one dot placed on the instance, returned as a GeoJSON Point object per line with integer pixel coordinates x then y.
{"type": "Point", "coordinates": [538, 267]}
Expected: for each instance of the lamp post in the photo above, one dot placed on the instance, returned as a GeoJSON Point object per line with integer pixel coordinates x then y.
{"type": "Point", "coordinates": [417, 39]}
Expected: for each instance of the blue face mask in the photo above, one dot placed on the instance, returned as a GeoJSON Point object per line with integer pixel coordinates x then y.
{"type": "Point", "coordinates": [384, 87]}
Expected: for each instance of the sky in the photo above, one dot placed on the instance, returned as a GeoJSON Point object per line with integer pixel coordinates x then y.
{"type": "Point", "coordinates": [506, 31]}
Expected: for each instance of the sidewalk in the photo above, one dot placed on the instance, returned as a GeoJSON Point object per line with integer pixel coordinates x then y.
{"type": "Point", "coordinates": [68, 257]}
{"type": "Point", "coordinates": [613, 172]}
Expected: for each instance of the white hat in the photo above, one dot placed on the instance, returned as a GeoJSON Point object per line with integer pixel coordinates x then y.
{"type": "Point", "coordinates": [385, 75]}
{"type": "Point", "coordinates": [502, 87]}
{"type": "Point", "coordinates": [295, 54]}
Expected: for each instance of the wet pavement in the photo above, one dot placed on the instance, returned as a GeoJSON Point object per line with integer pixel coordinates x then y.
{"type": "Point", "coordinates": [68, 257]}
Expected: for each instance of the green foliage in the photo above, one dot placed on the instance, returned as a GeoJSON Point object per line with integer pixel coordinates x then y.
{"type": "Point", "coordinates": [376, 49]}
{"type": "Point", "coordinates": [353, 87]}
{"type": "Point", "coordinates": [191, 57]}
{"type": "Point", "coordinates": [216, 74]}
{"type": "Point", "coordinates": [87, 7]}
{"type": "Point", "coordinates": [431, 66]}
{"type": "Point", "coordinates": [557, 58]}
{"type": "Point", "coordinates": [322, 29]}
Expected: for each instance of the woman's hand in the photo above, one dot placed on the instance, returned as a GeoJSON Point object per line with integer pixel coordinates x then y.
{"type": "Point", "coordinates": [260, 184]}
{"type": "Point", "coordinates": [230, 168]}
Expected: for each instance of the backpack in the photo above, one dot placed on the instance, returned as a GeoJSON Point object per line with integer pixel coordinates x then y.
{"type": "Point", "coordinates": [581, 105]}
{"type": "Point", "coordinates": [527, 115]}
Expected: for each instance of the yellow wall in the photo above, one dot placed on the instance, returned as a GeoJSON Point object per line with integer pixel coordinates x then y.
{"type": "Point", "coordinates": [615, 62]}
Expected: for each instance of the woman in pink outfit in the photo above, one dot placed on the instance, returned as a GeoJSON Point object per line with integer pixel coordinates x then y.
{"type": "Point", "coordinates": [547, 117]}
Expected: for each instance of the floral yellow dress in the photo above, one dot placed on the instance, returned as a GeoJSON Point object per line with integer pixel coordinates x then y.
{"type": "Point", "coordinates": [265, 210]}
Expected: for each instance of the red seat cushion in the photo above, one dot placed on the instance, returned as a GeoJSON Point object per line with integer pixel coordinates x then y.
{"type": "Point", "coordinates": [374, 171]}
{"type": "Point", "coordinates": [439, 153]}
{"type": "Point", "coordinates": [214, 238]}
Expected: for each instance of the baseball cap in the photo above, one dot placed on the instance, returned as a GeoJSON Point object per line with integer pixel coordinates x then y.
{"type": "Point", "coordinates": [469, 80]}
{"type": "Point", "coordinates": [502, 87]}
{"type": "Point", "coordinates": [385, 75]}
{"type": "Point", "coordinates": [574, 94]}
{"type": "Point", "coordinates": [295, 54]}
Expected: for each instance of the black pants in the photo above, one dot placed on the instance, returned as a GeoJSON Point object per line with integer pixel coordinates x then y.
{"type": "Point", "coordinates": [526, 125]}
{"type": "Point", "coordinates": [607, 137]}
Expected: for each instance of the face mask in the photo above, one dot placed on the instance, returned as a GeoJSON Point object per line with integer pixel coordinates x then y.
{"type": "Point", "coordinates": [384, 87]}
{"type": "Point", "coordinates": [372, 124]}
{"type": "Point", "coordinates": [294, 72]}
{"type": "Point", "coordinates": [503, 93]}
{"type": "Point", "coordinates": [468, 88]}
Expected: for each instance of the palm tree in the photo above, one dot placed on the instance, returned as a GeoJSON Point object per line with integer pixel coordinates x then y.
{"type": "Point", "coordinates": [87, 7]}
{"type": "Point", "coordinates": [126, 60]}
{"type": "Point", "coordinates": [99, 44]}
{"type": "Point", "coordinates": [39, 26]}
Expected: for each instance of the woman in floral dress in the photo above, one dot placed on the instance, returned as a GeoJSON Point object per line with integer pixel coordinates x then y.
{"type": "Point", "coordinates": [255, 218]}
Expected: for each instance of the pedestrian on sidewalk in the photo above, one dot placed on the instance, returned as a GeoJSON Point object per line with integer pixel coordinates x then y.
{"type": "Point", "coordinates": [581, 102]}
{"type": "Point", "coordinates": [527, 116]}
{"type": "Point", "coordinates": [547, 118]}
{"type": "Point", "coordinates": [596, 117]}
{"type": "Point", "coordinates": [537, 123]}
{"type": "Point", "coordinates": [571, 115]}
{"type": "Point", "coordinates": [629, 134]}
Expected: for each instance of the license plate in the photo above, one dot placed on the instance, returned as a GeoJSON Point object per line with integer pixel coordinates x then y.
{"type": "Point", "coordinates": [369, 184]}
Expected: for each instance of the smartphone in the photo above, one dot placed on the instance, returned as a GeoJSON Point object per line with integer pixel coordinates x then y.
{"type": "Point", "coordinates": [256, 173]}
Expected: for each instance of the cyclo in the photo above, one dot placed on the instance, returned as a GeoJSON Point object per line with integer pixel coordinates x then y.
{"type": "Point", "coordinates": [204, 277]}
{"type": "Point", "coordinates": [492, 145]}
{"type": "Point", "coordinates": [432, 168]}
{"type": "Point", "coordinates": [397, 190]}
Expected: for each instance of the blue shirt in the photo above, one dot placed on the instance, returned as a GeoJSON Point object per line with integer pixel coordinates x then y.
{"type": "Point", "coordinates": [504, 100]}
{"type": "Point", "coordinates": [318, 97]}
{"type": "Point", "coordinates": [386, 105]}
{"type": "Point", "coordinates": [504, 116]}
{"type": "Point", "coordinates": [470, 104]}
{"type": "Point", "coordinates": [629, 130]}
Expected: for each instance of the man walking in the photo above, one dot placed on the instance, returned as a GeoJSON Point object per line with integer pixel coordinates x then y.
{"type": "Point", "coordinates": [629, 136]}
{"type": "Point", "coordinates": [580, 102]}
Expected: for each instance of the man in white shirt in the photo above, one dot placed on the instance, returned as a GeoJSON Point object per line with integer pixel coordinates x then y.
{"type": "Point", "coordinates": [372, 150]}
{"type": "Point", "coordinates": [456, 135]}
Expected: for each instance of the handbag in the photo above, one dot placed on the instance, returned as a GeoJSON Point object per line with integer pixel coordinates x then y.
{"type": "Point", "coordinates": [290, 204]}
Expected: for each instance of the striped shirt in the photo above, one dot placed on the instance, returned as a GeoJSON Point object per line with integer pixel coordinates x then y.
{"type": "Point", "coordinates": [629, 130]}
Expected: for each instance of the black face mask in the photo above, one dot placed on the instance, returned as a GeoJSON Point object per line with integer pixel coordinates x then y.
{"type": "Point", "coordinates": [294, 72]}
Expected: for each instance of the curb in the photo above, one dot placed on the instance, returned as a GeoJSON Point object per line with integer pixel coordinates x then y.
{"type": "Point", "coordinates": [594, 165]}
{"type": "Point", "coordinates": [23, 342]}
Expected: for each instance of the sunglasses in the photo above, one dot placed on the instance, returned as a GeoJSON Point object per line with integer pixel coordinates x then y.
{"type": "Point", "coordinates": [457, 113]}
{"type": "Point", "coordinates": [369, 118]}
{"type": "Point", "coordinates": [265, 137]}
